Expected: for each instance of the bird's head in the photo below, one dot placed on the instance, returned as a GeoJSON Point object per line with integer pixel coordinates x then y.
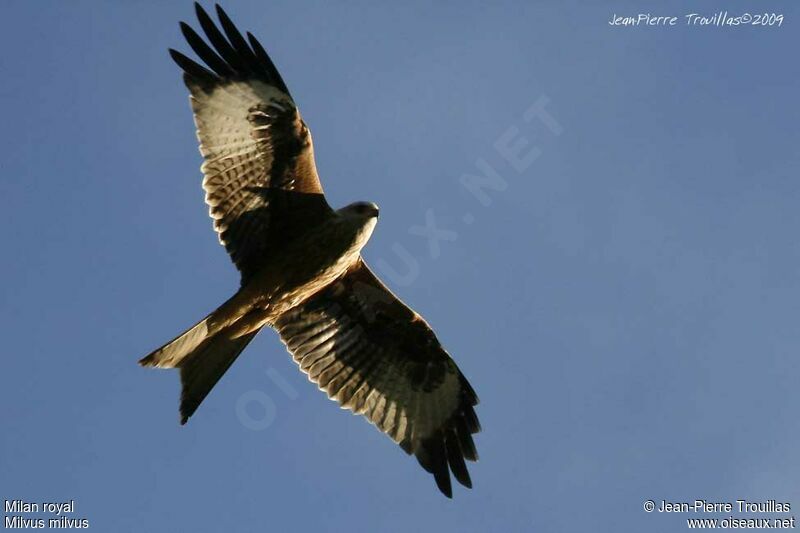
{"type": "Point", "coordinates": [361, 217]}
{"type": "Point", "coordinates": [362, 210]}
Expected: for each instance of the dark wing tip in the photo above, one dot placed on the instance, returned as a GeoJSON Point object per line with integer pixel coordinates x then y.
{"type": "Point", "coordinates": [447, 449]}
{"type": "Point", "coordinates": [206, 53]}
{"type": "Point", "coordinates": [193, 72]}
{"type": "Point", "coordinates": [200, 12]}
{"type": "Point", "coordinates": [455, 458]}
{"type": "Point", "coordinates": [185, 28]}
{"type": "Point", "coordinates": [266, 63]}
{"type": "Point", "coordinates": [180, 59]}
{"type": "Point", "coordinates": [223, 17]}
{"type": "Point", "coordinates": [473, 424]}
{"type": "Point", "coordinates": [468, 391]}
{"type": "Point", "coordinates": [432, 456]}
{"type": "Point", "coordinates": [229, 57]}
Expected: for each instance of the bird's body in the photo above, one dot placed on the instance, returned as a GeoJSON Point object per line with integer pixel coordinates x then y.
{"type": "Point", "coordinates": [301, 268]}
{"type": "Point", "coordinates": [295, 270]}
{"type": "Point", "coordinates": [327, 250]}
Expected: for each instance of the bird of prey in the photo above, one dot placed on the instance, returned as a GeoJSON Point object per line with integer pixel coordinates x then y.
{"type": "Point", "coordinates": [301, 267]}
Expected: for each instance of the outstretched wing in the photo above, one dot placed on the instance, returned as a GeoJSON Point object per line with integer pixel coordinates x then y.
{"type": "Point", "coordinates": [261, 182]}
{"type": "Point", "coordinates": [371, 353]}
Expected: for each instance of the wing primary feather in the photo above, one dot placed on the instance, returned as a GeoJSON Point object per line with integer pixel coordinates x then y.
{"type": "Point", "coordinates": [468, 391]}
{"type": "Point", "coordinates": [205, 52]}
{"type": "Point", "coordinates": [436, 457]}
{"type": "Point", "coordinates": [222, 46]}
{"type": "Point", "coordinates": [191, 68]}
{"type": "Point", "coordinates": [237, 41]}
{"type": "Point", "coordinates": [465, 440]}
{"type": "Point", "coordinates": [424, 458]}
{"type": "Point", "coordinates": [471, 419]}
{"type": "Point", "coordinates": [456, 458]}
{"type": "Point", "coordinates": [267, 63]}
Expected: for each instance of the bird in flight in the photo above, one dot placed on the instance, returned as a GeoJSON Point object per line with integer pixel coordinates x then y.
{"type": "Point", "coordinates": [301, 267]}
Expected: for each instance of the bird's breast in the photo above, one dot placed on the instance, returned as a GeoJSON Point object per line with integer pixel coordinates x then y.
{"type": "Point", "coordinates": [306, 266]}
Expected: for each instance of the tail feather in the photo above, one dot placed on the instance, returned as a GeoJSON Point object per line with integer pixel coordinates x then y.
{"type": "Point", "coordinates": [203, 353]}
{"type": "Point", "coordinates": [203, 369]}
{"type": "Point", "coordinates": [171, 354]}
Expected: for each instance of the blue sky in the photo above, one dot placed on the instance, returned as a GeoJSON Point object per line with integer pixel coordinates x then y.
{"type": "Point", "coordinates": [626, 306]}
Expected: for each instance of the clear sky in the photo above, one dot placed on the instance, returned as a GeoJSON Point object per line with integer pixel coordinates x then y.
{"type": "Point", "coordinates": [624, 300]}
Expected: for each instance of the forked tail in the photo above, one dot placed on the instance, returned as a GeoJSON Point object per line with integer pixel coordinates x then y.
{"type": "Point", "coordinates": [202, 358]}
{"type": "Point", "coordinates": [171, 354]}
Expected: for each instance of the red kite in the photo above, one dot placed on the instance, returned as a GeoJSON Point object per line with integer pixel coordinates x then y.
{"type": "Point", "coordinates": [301, 267]}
